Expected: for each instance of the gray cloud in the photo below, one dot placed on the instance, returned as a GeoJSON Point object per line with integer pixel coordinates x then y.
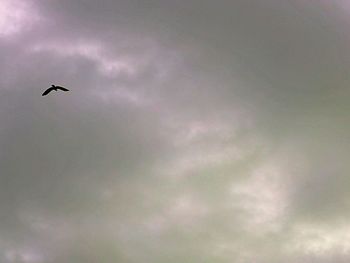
{"type": "Point", "coordinates": [194, 131]}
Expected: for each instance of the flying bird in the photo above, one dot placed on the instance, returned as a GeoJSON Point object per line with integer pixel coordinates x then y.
{"type": "Point", "coordinates": [53, 87]}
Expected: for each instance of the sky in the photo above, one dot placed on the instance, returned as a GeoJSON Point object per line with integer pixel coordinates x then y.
{"type": "Point", "coordinates": [193, 131]}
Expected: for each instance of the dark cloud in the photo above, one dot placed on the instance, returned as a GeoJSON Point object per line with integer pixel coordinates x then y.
{"type": "Point", "coordinates": [202, 131]}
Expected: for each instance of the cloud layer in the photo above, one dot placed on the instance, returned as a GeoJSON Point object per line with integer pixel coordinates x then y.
{"type": "Point", "coordinates": [196, 131]}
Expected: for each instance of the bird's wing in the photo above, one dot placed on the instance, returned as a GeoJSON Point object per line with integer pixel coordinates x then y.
{"type": "Point", "coordinates": [47, 91]}
{"type": "Point", "coordinates": [62, 88]}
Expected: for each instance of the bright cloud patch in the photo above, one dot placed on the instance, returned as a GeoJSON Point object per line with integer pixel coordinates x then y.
{"type": "Point", "coordinates": [321, 239]}
{"type": "Point", "coordinates": [15, 15]}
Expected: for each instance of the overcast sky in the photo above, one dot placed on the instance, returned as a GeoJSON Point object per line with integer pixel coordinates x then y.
{"type": "Point", "coordinates": [194, 131]}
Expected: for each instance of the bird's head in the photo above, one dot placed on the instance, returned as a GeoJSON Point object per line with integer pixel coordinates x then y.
{"type": "Point", "coordinates": [52, 86]}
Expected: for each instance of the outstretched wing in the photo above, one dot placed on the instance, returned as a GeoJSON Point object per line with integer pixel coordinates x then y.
{"type": "Point", "coordinates": [62, 88]}
{"type": "Point", "coordinates": [47, 91]}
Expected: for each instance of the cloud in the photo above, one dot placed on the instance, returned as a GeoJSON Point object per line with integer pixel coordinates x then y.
{"type": "Point", "coordinates": [16, 16]}
{"type": "Point", "coordinates": [193, 131]}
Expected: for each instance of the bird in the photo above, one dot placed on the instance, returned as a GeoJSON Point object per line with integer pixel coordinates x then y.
{"type": "Point", "coordinates": [53, 87]}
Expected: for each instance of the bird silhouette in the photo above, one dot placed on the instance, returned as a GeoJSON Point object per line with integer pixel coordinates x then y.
{"type": "Point", "coordinates": [53, 87]}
